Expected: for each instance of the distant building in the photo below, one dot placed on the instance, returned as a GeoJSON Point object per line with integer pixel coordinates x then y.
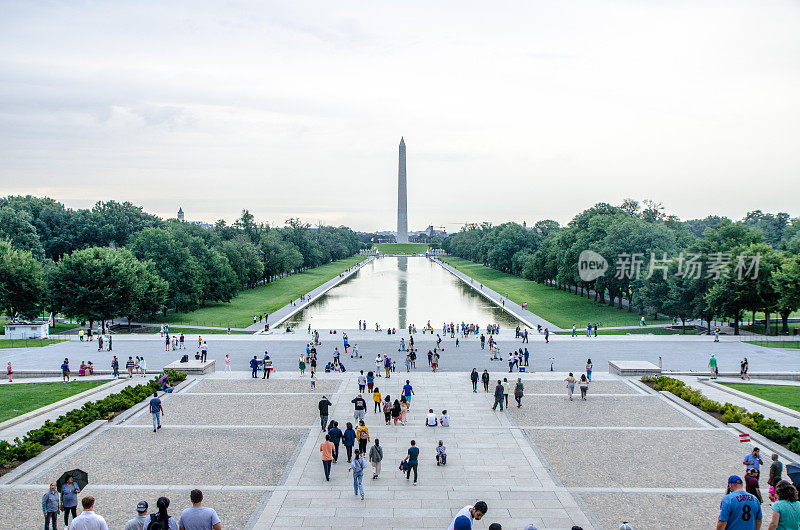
{"type": "Point", "coordinates": [180, 214]}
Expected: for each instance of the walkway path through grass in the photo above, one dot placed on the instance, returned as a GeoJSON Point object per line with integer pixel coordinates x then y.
{"type": "Point", "coordinates": [559, 307]}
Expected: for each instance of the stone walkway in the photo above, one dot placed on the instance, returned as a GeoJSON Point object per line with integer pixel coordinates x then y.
{"type": "Point", "coordinates": [252, 446]}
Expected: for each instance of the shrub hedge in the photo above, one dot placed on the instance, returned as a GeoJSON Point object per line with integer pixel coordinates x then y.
{"type": "Point", "coordinates": [52, 432]}
{"type": "Point", "coordinates": [767, 427]}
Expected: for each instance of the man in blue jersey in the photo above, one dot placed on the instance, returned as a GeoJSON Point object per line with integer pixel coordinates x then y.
{"type": "Point", "coordinates": [739, 510]}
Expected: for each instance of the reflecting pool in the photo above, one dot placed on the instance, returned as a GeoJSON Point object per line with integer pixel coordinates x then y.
{"type": "Point", "coordinates": [396, 292]}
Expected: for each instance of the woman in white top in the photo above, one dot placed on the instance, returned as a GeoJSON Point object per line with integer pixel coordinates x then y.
{"type": "Point", "coordinates": [143, 367]}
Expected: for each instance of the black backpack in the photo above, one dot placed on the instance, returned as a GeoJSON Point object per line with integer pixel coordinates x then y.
{"type": "Point", "coordinates": [156, 523]}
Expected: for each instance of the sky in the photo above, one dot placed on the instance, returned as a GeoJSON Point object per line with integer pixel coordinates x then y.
{"type": "Point", "coordinates": [511, 111]}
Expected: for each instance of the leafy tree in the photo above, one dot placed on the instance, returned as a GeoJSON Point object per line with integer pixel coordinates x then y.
{"type": "Point", "coordinates": [786, 282]}
{"type": "Point", "coordinates": [174, 263]}
{"type": "Point", "coordinates": [97, 283]}
{"type": "Point", "coordinates": [17, 228]}
{"type": "Point", "coordinates": [22, 284]}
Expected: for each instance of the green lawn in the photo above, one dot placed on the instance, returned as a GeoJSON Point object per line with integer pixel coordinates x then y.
{"type": "Point", "coordinates": [559, 307]}
{"type": "Point", "coordinates": [238, 313]}
{"type": "Point", "coordinates": [27, 343]}
{"type": "Point", "coordinates": [401, 248]}
{"type": "Point", "coordinates": [19, 398]}
{"type": "Point", "coordinates": [185, 331]}
{"type": "Point", "coordinates": [791, 344]}
{"type": "Point", "coordinates": [785, 395]}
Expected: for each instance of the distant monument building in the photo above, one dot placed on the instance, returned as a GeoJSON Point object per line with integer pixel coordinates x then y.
{"type": "Point", "coordinates": [180, 214]}
{"type": "Point", "coordinates": [402, 202]}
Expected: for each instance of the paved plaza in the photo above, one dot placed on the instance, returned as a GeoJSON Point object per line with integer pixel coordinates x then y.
{"type": "Point", "coordinates": [252, 446]}
{"type": "Point", "coordinates": [568, 353]}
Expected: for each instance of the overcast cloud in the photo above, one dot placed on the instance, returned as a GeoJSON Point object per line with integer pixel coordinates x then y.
{"type": "Point", "coordinates": [510, 110]}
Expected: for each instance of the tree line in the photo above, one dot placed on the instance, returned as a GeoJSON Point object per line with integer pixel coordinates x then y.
{"type": "Point", "coordinates": [697, 269]}
{"type": "Point", "coordinates": [115, 260]}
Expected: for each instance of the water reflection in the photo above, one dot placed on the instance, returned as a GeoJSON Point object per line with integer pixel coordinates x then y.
{"type": "Point", "coordinates": [396, 292]}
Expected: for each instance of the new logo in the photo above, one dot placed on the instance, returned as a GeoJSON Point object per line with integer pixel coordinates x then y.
{"type": "Point", "coordinates": [591, 265]}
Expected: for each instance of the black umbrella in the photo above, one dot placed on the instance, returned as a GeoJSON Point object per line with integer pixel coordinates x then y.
{"type": "Point", "coordinates": [793, 471]}
{"type": "Point", "coordinates": [81, 479]}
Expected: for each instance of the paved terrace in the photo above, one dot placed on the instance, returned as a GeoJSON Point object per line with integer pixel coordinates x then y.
{"type": "Point", "coordinates": [252, 446]}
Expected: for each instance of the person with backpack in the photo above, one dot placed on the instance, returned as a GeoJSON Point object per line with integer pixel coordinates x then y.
{"type": "Point", "coordinates": [348, 440]}
{"type": "Point", "coordinates": [375, 457]}
{"type": "Point", "coordinates": [161, 520]}
{"type": "Point", "coordinates": [485, 380]}
{"type": "Point", "coordinates": [362, 434]}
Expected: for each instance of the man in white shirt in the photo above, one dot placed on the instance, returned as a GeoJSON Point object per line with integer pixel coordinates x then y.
{"type": "Point", "coordinates": [431, 420]}
{"type": "Point", "coordinates": [475, 513]}
{"type": "Point", "coordinates": [88, 520]}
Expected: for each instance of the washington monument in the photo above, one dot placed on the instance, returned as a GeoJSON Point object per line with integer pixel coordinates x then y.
{"type": "Point", "coordinates": [402, 203]}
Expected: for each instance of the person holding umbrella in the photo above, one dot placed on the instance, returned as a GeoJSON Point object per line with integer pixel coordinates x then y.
{"type": "Point", "coordinates": [69, 485]}
{"type": "Point", "coordinates": [50, 507]}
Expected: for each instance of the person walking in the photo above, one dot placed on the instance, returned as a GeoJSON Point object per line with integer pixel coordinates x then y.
{"type": "Point", "coordinates": [738, 509]}
{"type": "Point", "coordinates": [412, 459]}
{"type": "Point", "coordinates": [408, 391]}
{"type": "Point", "coordinates": [786, 511]}
{"type": "Point", "coordinates": [115, 367]}
{"type": "Point", "coordinates": [396, 411]}
{"type": "Point", "coordinates": [357, 467]}
{"type": "Point", "coordinates": [359, 407]}
{"type": "Point", "coordinates": [348, 440]}
{"type": "Point", "coordinates": [519, 392]}
{"type": "Point", "coordinates": [375, 458]}
{"type": "Point", "coordinates": [336, 437]}
{"type": "Point", "coordinates": [589, 370]}
{"type": "Point", "coordinates": [326, 448]}
{"type": "Point", "coordinates": [301, 363]}
{"type": "Point", "coordinates": [498, 396]}
{"type": "Point", "coordinates": [584, 386]}
{"type": "Point", "coordinates": [323, 405]}
{"type": "Point", "coordinates": [570, 379]}
{"type": "Point", "coordinates": [65, 370]}
{"type": "Point", "coordinates": [198, 517]}
{"type": "Point", "coordinates": [403, 410]}
{"type": "Point", "coordinates": [370, 381]}
{"type": "Point", "coordinates": [387, 410]}
{"type": "Point", "coordinates": [227, 363]}
{"type": "Point", "coordinates": [712, 366]}
{"type": "Point", "coordinates": [157, 410]}
{"type": "Point", "coordinates": [506, 390]}
{"type": "Point", "coordinates": [485, 380]}
{"type": "Point", "coordinates": [377, 400]}
{"type": "Point", "coordinates": [88, 520]}
{"type": "Point", "coordinates": [50, 507]}
{"type": "Point", "coordinates": [362, 382]}
{"type": "Point", "coordinates": [129, 366]}
{"type": "Point", "coordinates": [362, 435]}
{"type": "Point", "coordinates": [69, 499]}
{"type": "Point", "coordinates": [474, 378]}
